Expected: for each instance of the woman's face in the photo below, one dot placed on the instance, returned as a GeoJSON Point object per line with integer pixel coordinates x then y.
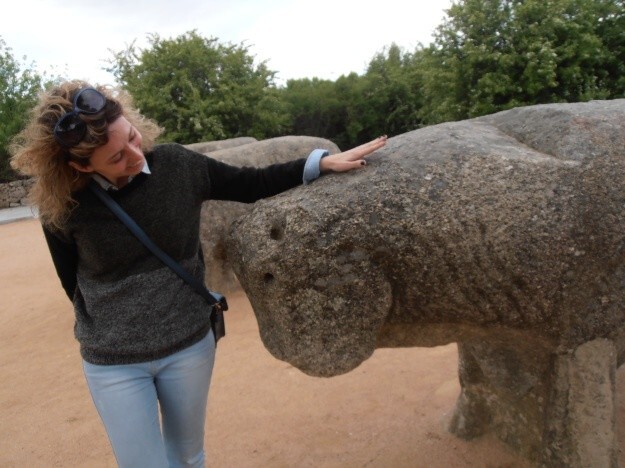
{"type": "Point", "coordinates": [120, 158]}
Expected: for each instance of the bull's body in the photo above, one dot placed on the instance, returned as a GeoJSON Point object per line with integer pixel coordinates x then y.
{"type": "Point", "coordinates": [505, 234]}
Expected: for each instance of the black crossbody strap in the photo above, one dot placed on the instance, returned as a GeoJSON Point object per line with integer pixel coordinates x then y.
{"type": "Point", "coordinates": [213, 298]}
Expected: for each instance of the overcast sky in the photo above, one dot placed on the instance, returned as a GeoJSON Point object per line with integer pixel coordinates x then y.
{"type": "Point", "coordinates": [297, 38]}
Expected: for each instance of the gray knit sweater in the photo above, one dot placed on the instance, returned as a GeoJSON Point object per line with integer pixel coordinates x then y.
{"type": "Point", "coordinates": [130, 307]}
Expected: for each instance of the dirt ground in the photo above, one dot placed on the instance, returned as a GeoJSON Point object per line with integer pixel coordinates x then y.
{"type": "Point", "coordinates": [389, 412]}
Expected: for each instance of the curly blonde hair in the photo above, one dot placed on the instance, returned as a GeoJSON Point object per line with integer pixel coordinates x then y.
{"type": "Point", "coordinates": [36, 153]}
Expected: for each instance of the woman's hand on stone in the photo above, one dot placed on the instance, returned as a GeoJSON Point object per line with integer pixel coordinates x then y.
{"type": "Point", "coordinates": [351, 159]}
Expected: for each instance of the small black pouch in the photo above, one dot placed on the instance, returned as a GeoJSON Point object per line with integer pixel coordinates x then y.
{"type": "Point", "coordinates": [218, 324]}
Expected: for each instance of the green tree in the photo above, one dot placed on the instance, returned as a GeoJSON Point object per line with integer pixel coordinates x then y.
{"type": "Point", "coordinates": [389, 96]}
{"type": "Point", "coordinates": [199, 89]}
{"type": "Point", "coordinates": [355, 109]}
{"type": "Point", "coordinates": [611, 29]}
{"type": "Point", "coordinates": [491, 55]}
{"type": "Point", "coordinates": [314, 107]}
{"type": "Point", "coordinates": [351, 91]}
{"type": "Point", "coordinates": [19, 87]}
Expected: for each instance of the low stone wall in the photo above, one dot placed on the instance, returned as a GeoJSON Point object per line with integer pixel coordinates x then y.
{"type": "Point", "coordinates": [14, 193]}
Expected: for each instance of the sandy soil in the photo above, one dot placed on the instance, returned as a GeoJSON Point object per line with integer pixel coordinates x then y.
{"type": "Point", "coordinates": [389, 412]}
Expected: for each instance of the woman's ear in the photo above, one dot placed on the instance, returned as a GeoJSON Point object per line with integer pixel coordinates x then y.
{"type": "Point", "coordinates": [80, 168]}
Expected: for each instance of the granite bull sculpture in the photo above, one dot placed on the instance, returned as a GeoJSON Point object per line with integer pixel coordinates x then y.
{"type": "Point", "coordinates": [504, 233]}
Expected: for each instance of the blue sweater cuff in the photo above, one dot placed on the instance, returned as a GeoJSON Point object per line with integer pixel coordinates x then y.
{"type": "Point", "coordinates": [311, 168]}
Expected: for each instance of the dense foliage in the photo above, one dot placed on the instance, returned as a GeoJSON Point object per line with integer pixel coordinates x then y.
{"type": "Point", "coordinates": [490, 55]}
{"type": "Point", "coordinates": [199, 89]}
{"type": "Point", "coordinates": [486, 56]}
{"type": "Point", "coordinates": [355, 109]}
{"type": "Point", "coordinates": [19, 87]}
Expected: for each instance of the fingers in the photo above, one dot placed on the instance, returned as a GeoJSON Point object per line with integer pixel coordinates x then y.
{"type": "Point", "coordinates": [368, 148]}
{"type": "Point", "coordinates": [376, 144]}
{"type": "Point", "coordinates": [351, 165]}
{"type": "Point", "coordinates": [340, 164]}
{"type": "Point", "coordinates": [351, 159]}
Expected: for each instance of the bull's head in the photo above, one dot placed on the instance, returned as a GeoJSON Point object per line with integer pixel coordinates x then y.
{"type": "Point", "coordinates": [319, 312]}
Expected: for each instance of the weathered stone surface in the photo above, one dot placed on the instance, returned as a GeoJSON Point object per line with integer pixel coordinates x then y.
{"type": "Point", "coordinates": [210, 146]}
{"type": "Point", "coordinates": [503, 233]}
{"type": "Point", "coordinates": [218, 215]}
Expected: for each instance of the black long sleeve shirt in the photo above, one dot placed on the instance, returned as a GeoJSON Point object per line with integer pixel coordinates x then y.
{"type": "Point", "coordinates": [130, 307]}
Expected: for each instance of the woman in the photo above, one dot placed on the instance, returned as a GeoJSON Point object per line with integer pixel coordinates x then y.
{"type": "Point", "coordinates": [143, 333]}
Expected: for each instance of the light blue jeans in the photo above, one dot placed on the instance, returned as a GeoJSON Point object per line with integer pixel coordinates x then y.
{"type": "Point", "coordinates": [127, 398]}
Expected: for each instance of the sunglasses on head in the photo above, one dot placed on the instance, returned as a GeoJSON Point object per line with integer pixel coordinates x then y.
{"type": "Point", "coordinates": [71, 129]}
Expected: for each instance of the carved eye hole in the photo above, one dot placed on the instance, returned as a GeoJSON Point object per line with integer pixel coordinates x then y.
{"type": "Point", "coordinates": [278, 226]}
{"type": "Point", "coordinates": [276, 233]}
{"type": "Point", "coordinates": [268, 278]}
